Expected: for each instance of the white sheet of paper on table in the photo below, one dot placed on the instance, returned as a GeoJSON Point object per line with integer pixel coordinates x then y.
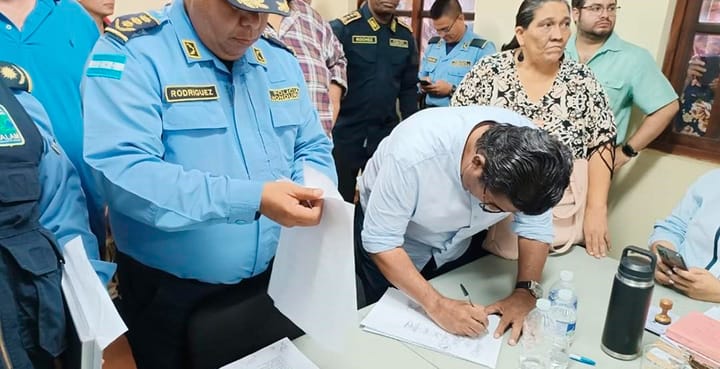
{"type": "Point", "coordinates": [313, 276]}
{"type": "Point", "coordinates": [280, 355]}
{"type": "Point", "coordinates": [90, 306]}
{"type": "Point", "coordinates": [399, 317]}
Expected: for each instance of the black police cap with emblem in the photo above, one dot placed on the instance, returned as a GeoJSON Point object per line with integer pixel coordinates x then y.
{"type": "Point", "coordinates": [262, 6]}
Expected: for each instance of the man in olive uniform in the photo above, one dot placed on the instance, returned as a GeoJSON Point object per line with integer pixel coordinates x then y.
{"type": "Point", "coordinates": [382, 72]}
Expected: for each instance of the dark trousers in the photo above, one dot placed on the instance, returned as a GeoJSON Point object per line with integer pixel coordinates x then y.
{"type": "Point", "coordinates": [177, 323]}
{"type": "Point", "coordinates": [372, 278]}
{"type": "Point", "coordinates": [347, 172]}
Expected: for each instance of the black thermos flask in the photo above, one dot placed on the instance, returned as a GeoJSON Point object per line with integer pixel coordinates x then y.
{"type": "Point", "coordinates": [629, 303]}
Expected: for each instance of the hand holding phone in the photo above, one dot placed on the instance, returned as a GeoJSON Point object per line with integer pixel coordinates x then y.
{"type": "Point", "coordinates": [671, 258]}
{"type": "Point", "coordinates": [425, 83]}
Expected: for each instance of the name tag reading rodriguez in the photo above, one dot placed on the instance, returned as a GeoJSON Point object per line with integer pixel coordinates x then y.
{"type": "Point", "coordinates": [175, 94]}
{"type": "Point", "coordinates": [284, 94]}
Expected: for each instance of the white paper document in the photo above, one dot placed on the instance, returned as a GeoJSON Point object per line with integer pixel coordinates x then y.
{"type": "Point", "coordinates": [399, 317]}
{"type": "Point", "coordinates": [714, 312]}
{"type": "Point", "coordinates": [313, 275]}
{"type": "Point", "coordinates": [92, 311]}
{"type": "Point", "coordinates": [280, 355]}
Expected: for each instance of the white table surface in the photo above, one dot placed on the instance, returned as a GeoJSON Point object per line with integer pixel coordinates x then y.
{"type": "Point", "coordinates": [488, 280]}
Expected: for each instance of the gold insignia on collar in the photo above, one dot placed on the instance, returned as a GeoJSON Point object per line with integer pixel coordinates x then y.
{"type": "Point", "coordinates": [254, 4]}
{"type": "Point", "coordinates": [396, 42]}
{"type": "Point", "coordinates": [259, 55]}
{"type": "Point", "coordinates": [393, 25]}
{"type": "Point", "coordinates": [466, 45]}
{"type": "Point", "coordinates": [283, 6]}
{"type": "Point", "coordinates": [191, 49]}
{"type": "Point", "coordinates": [285, 94]}
{"type": "Point", "coordinates": [374, 24]}
{"type": "Point", "coordinates": [364, 39]}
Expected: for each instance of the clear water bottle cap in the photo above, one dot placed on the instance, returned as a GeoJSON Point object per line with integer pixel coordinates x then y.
{"type": "Point", "coordinates": [543, 304]}
{"type": "Point", "coordinates": [566, 276]}
{"type": "Point", "coordinates": [565, 295]}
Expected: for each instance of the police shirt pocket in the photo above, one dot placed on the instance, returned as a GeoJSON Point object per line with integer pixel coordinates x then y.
{"type": "Point", "coordinates": [365, 54]}
{"type": "Point", "coordinates": [19, 182]}
{"type": "Point", "coordinates": [614, 84]}
{"type": "Point", "coordinates": [38, 293]}
{"type": "Point", "coordinates": [194, 116]}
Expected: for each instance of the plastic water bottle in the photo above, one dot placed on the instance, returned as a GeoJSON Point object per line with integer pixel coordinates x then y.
{"type": "Point", "coordinates": [566, 282]}
{"type": "Point", "coordinates": [564, 316]}
{"type": "Point", "coordinates": [535, 343]}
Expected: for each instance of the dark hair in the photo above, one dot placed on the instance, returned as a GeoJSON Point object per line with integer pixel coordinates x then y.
{"type": "Point", "coordinates": [525, 15]}
{"type": "Point", "coordinates": [578, 3]}
{"type": "Point", "coordinates": [445, 7]}
{"type": "Point", "coordinates": [525, 164]}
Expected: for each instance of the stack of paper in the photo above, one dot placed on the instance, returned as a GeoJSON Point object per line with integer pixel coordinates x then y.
{"type": "Point", "coordinates": [280, 355]}
{"type": "Point", "coordinates": [397, 316]}
{"type": "Point", "coordinates": [313, 275]}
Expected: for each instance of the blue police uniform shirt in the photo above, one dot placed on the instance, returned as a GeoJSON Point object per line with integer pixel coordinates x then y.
{"type": "Point", "coordinates": [452, 66]}
{"type": "Point", "coordinates": [412, 193]}
{"type": "Point", "coordinates": [694, 225]}
{"type": "Point", "coordinates": [192, 144]}
{"type": "Point", "coordinates": [53, 46]}
{"type": "Point", "coordinates": [62, 202]}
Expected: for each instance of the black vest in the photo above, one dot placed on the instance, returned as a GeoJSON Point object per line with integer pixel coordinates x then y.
{"type": "Point", "coordinates": [32, 314]}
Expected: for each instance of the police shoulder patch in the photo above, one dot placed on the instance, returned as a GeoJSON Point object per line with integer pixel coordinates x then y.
{"type": "Point", "coordinates": [128, 26]}
{"type": "Point", "coordinates": [15, 77]}
{"type": "Point", "coordinates": [434, 40]}
{"type": "Point", "coordinates": [276, 42]}
{"type": "Point", "coordinates": [350, 17]}
{"type": "Point", "coordinates": [400, 22]}
{"type": "Point", "coordinates": [478, 42]}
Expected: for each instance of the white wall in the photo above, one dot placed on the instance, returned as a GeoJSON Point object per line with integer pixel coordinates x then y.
{"type": "Point", "coordinates": [649, 187]}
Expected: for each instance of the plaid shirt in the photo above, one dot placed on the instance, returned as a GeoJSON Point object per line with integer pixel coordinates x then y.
{"type": "Point", "coordinates": [319, 53]}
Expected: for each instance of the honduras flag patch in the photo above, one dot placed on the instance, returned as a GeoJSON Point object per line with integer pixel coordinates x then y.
{"type": "Point", "coordinates": [106, 65]}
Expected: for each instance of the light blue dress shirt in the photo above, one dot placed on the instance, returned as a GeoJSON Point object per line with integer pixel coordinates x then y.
{"type": "Point", "coordinates": [412, 194]}
{"type": "Point", "coordinates": [182, 146]}
{"type": "Point", "coordinates": [62, 202]}
{"type": "Point", "coordinates": [694, 225]}
{"type": "Point", "coordinates": [53, 46]}
{"type": "Point", "coordinates": [452, 67]}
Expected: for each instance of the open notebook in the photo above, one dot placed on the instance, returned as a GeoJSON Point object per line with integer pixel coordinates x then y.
{"type": "Point", "coordinates": [399, 317]}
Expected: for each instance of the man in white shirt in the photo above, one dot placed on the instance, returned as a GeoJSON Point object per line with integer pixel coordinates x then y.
{"type": "Point", "coordinates": [420, 193]}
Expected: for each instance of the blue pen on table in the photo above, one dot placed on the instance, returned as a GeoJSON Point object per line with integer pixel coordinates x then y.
{"type": "Point", "coordinates": [582, 359]}
{"type": "Point", "coordinates": [465, 292]}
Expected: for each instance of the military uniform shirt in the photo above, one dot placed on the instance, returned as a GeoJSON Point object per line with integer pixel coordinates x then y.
{"type": "Point", "coordinates": [451, 67]}
{"type": "Point", "coordinates": [382, 68]}
{"type": "Point", "coordinates": [182, 146]}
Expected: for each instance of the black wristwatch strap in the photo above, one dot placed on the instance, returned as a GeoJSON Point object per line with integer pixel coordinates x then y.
{"type": "Point", "coordinates": [629, 151]}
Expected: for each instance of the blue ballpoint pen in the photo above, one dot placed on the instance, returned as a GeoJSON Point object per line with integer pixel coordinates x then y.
{"type": "Point", "coordinates": [582, 359]}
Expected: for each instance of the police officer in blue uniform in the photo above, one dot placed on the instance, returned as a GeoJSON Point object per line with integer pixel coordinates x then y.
{"type": "Point", "coordinates": [382, 73]}
{"type": "Point", "coordinates": [198, 129]}
{"type": "Point", "coordinates": [449, 57]}
{"type": "Point", "coordinates": [41, 208]}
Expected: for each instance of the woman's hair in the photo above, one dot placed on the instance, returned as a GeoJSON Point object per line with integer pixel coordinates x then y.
{"type": "Point", "coordinates": [525, 16]}
{"type": "Point", "coordinates": [525, 164]}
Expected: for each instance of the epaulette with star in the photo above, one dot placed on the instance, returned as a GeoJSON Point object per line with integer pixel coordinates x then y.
{"type": "Point", "coordinates": [15, 77]}
{"type": "Point", "coordinates": [269, 37]}
{"type": "Point", "coordinates": [400, 22]}
{"type": "Point", "coordinates": [350, 17]}
{"type": "Point", "coordinates": [128, 26]}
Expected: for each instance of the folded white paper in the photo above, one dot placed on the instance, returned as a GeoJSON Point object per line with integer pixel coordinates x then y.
{"type": "Point", "coordinates": [280, 355]}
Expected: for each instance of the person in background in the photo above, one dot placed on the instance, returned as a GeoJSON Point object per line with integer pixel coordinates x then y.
{"type": "Point", "coordinates": [450, 55]}
{"type": "Point", "coordinates": [42, 208]}
{"type": "Point", "coordinates": [382, 76]}
{"type": "Point", "coordinates": [99, 10]}
{"type": "Point", "coordinates": [320, 55]}
{"type": "Point", "coordinates": [489, 162]}
{"type": "Point", "coordinates": [51, 40]}
{"type": "Point", "coordinates": [533, 77]}
{"type": "Point", "coordinates": [693, 229]}
{"type": "Point", "coordinates": [639, 82]}
{"type": "Point", "coordinates": [211, 126]}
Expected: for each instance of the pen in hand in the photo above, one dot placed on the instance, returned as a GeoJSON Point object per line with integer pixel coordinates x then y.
{"type": "Point", "coordinates": [465, 292]}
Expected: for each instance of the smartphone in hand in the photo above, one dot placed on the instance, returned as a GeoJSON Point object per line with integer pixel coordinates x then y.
{"type": "Point", "coordinates": [671, 258]}
{"type": "Point", "coordinates": [424, 82]}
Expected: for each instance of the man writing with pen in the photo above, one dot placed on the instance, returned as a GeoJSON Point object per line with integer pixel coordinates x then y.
{"type": "Point", "coordinates": [440, 178]}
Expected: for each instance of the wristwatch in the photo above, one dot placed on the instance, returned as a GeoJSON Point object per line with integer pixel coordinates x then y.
{"type": "Point", "coordinates": [629, 151]}
{"type": "Point", "coordinates": [452, 90]}
{"type": "Point", "coordinates": [533, 286]}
